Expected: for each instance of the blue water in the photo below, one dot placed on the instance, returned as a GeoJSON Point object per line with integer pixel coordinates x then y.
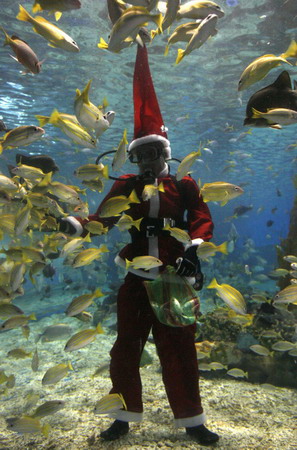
{"type": "Point", "coordinates": [201, 106]}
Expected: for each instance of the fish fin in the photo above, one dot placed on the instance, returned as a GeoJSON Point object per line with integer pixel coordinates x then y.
{"type": "Point", "coordinates": [105, 171]}
{"type": "Point", "coordinates": [33, 281]}
{"type": "Point", "coordinates": [154, 33]}
{"type": "Point", "coordinates": [7, 38]}
{"type": "Point", "coordinates": [291, 51]}
{"type": "Point", "coordinates": [223, 202]}
{"type": "Point", "coordinates": [104, 249]}
{"type": "Point", "coordinates": [43, 120]}
{"type": "Point", "coordinates": [128, 263]}
{"type": "Point", "coordinates": [158, 19]}
{"type": "Point", "coordinates": [104, 104]}
{"type": "Point", "coordinates": [13, 57]}
{"type": "Point", "coordinates": [180, 55]}
{"type": "Point", "coordinates": [58, 15]}
{"type": "Point", "coordinates": [49, 44]}
{"type": "Point", "coordinates": [36, 7]}
{"type": "Point", "coordinates": [102, 44]}
{"type": "Point", "coordinates": [23, 15]}
{"type": "Point", "coordinates": [256, 114]}
{"type": "Point", "coordinates": [277, 126]}
{"type": "Point", "coordinates": [54, 118]}
{"type": "Point", "coordinates": [85, 92]}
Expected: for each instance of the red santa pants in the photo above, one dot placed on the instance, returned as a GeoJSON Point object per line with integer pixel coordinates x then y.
{"type": "Point", "coordinates": [176, 350]}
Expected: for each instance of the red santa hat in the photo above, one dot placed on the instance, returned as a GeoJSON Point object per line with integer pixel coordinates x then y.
{"type": "Point", "coordinates": [148, 122]}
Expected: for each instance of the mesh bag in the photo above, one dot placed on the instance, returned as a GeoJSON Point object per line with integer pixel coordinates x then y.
{"type": "Point", "coordinates": [173, 299]}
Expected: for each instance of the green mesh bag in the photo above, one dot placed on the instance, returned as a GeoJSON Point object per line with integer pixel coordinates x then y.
{"type": "Point", "coordinates": [173, 299]}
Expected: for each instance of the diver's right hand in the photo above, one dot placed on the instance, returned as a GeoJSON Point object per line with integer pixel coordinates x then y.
{"type": "Point", "coordinates": [65, 226]}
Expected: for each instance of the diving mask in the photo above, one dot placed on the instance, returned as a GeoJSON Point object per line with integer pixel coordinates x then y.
{"type": "Point", "coordinates": [145, 153]}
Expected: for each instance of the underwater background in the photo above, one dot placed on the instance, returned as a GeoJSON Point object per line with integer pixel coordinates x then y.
{"type": "Point", "coordinates": [201, 107]}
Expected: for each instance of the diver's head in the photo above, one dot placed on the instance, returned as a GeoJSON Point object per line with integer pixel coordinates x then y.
{"type": "Point", "coordinates": [150, 156]}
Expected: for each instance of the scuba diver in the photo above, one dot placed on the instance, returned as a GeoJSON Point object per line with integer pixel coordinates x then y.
{"type": "Point", "coordinates": [150, 150]}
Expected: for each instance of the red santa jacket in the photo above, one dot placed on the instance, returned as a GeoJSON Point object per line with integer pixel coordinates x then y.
{"type": "Point", "coordinates": [180, 201]}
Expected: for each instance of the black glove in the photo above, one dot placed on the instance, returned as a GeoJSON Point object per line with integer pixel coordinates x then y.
{"type": "Point", "coordinates": [189, 265]}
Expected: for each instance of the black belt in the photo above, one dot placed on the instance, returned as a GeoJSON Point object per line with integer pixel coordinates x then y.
{"type": "Point", "coordinates": [153, 226]}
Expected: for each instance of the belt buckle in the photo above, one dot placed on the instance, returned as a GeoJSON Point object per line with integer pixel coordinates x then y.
{"type": "Point", "coordinates": [150, 231]}
{"type": "Point", "coordinates": [168, 221]}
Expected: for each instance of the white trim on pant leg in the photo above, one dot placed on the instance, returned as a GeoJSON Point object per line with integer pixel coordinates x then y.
{"type": "Point", "coordinates": [127, 416]}
{"type": "Point", "coordinates": [190, 421]}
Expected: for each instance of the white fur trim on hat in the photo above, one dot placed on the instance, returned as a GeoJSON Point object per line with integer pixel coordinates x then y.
{"type": "Point", "coordinates": [152, 138]}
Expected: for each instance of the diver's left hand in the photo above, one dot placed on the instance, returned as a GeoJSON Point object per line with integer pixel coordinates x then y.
{"type": "Point", "coordinates": [189, 265]}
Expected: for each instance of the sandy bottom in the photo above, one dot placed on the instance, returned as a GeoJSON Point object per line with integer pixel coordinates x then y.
{"type": "Point", "coordinates": [246, 416]}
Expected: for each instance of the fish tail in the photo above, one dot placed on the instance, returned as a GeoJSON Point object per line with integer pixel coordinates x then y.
{"type": "Point", "coordinates": [213, 284]}
{"type": "Point", "coordinates": [99, 329]}
{"type": "Point", "coordinates": [291, 51]}
{"type": "Point", "coordinates": [137, 223]}
{"type": "Point", "coordinates": [128, 263]}
{"type": "Point", "coordinates": [24, 15]}
{"type": "Point", "coordinates": [88, 238]}
{"type": "Point", "coordinates": [32, 316]}
{"type": "Point", "coordinates": [45, 429]}
{"type": "Point", "coordinates": [133, 197]}
{"type": "Point", "coordinates": [103, 248]}
{"type": "Point", "coordinates": [180, 55]}
{"type": "Point", "coordinates": [43, 120]}
{"type": "Point", "coordinates": [102, 44]}
{"type": "Point", "coordinates": [98, 293]}
{"type": "Point", "coordinates": [223, 248]}
{"type": "Point", "coordinates": [69, 365]}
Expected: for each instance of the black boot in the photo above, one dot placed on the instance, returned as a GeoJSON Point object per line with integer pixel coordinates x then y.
{"type": "Point", "coordinates": [116, 430]}
{"type": "Point", "coordinates": [202, 435]}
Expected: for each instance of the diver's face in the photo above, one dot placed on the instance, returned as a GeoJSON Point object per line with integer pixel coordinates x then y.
{"type": "Point", "coordinates": [149, 157]}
